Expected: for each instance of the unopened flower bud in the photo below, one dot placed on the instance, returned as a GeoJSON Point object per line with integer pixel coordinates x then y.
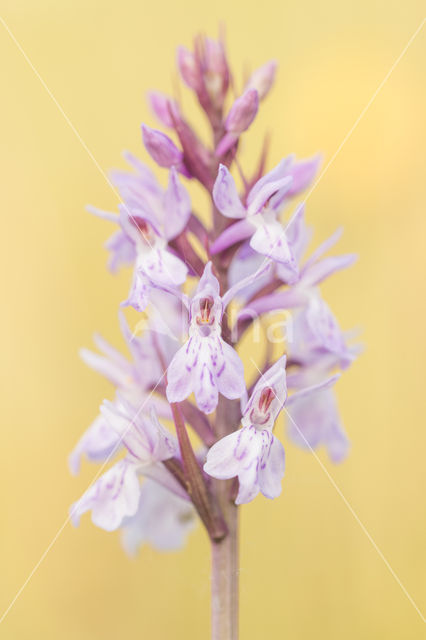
{"type": "Point", "coordinates": [216, 75]}
{"type": "Point", "coordinates": [242, 112]}
{"type": "Point", "coordinates": [161, 148]}
{"type": "Point", "coordinates": [162, 107]}
{"type": "Point", "coordinates": [188, 68]}
{"type": "Point", "coordinates": [263, 78]}
{"type": "Point", "coordinates": [240, 117]}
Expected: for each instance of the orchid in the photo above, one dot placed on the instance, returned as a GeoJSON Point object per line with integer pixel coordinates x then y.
{"type": "Point", "coordinates": [149, 218]}
{"type": "Point", "coordinates": [253, 453]}
{"type": "Point", "coordinates": [206, 364]}
{"type": "Point", "coordinates": [259, 218]}
{"type": "Point", "coordinates": [184, 372]}
{"type": "Point", "coordinates": [115, 495]}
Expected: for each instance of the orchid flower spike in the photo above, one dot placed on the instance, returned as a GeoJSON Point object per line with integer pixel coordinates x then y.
{"type": "Point", "coordinates": [184, 349]}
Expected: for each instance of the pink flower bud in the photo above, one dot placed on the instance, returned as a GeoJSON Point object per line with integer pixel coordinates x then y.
{"type": "Point", "coordinates": [242, 112]}
{"type": "Point", "coordinates": [263, 78]}
{"type": "Point", "coordinates": [161, 106]}
{"type": "Point", "coordinates": [188, 68]}
{"type": "Point", "coordinates": [216, 74]}
{"type": "Point", "coordinates": [215, 57]}
{"type": "Point", "coordinates": [161, 148]}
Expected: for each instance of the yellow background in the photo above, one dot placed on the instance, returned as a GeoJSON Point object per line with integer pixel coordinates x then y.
{"type": "Point", "coordinates": [308, 569]}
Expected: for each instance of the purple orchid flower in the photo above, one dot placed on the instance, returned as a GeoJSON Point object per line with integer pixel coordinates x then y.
{"type": "Point", "coordinates": [132, 379]}
{"type": "Point", "coordinates": [253, 453]}
{"type": "Point", "coordinates": [115, 495]}
{"type": "Point", "coordinates": [163, 520]}
{"type": "Point", "coordinates": [154, 263]}
{"type": "Point", "coordinates": [206, 364]}
{"type": "Point", "coordinates": [258, 219]}
{"type": "Point", "coordinates": [149, 218]}
{"type": "Point", "coordinates": [158, 485]}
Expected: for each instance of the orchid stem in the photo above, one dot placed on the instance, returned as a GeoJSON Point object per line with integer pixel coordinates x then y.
{"type": "Point", "coordinates": [224, 589]}
{"type": "Point", "coordinates": [225, 557]}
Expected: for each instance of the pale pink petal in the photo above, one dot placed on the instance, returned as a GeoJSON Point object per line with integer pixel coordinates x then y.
{"type": "Point", "coordinates": [208, 284]}
{"type": "Point", "coordinates": [227, 456]}
{"type": "Point", "coordinates": [319, 271]}
{"type": "Point", "coordinates": [162, 267]}
{"type": "Point", "coordinates": [139, 291]}
{"type": "Point", "coordinates": [272, 470]}
{"type": "Point", "coordinates": [161, 148]}
{"type": "Point", "coordinates": [230, 375]}
{"type": "Point", "coordinates": [270, 240]}
{"type": "Point", "coordinates": [177, 206]}
{"type": "Point", "coordinates": [234, 233]}
{"type": "Point", "coordinates": [179, 374]}
{"type": "Point", "coordinates": [303, 173]}
{"type": "Point", "coordinates": [263, 78]}
{"type": "Point", "coordinates": [277, 173]}
{"type": "Point", "coordinates": [160, 104]}
{"type": "Point", "coordinates": [98, 443]}
{"type": "Point", "coordinates": [112, 498]}
{"type": "Point", "coordinates": [225, 195]}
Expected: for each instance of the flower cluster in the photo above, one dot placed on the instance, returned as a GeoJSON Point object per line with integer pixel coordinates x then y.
{"type": "Point", "coordinates": [184, 368]}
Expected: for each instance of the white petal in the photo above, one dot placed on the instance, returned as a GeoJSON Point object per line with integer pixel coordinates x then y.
{"type": "Point", "coordinates": [177, 206]}
{"type": "Point", "coordinates": [98, 443]}
{"type": "Point", "coordinates": [163, 267]}
{"type": "Point", "coordinates": [179, 374]}
{"type": "Point", "coordinates": [230, 375]}
{"type": "Point", "coordinates": [272, 469]}
{"type": "Point", "coordinates": [270, 240]}
{"type": "Point", "coordinates": [112, 498]}
{"type": "Point", "coordinates": [225, 195]}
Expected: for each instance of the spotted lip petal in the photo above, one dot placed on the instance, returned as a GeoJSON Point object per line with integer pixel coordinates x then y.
{"type": "Point", "coordinates": [113, 497]}
{"type": "Point", "coordinates": [205, 365]}
{"type": "Point", "coordinates": [253, 453]}
{"type": "Point", "coordinates": [255, 456]}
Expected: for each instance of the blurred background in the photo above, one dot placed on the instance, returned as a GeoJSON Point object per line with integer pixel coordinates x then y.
{"type": "Point", "coordinates": [307, 567]}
